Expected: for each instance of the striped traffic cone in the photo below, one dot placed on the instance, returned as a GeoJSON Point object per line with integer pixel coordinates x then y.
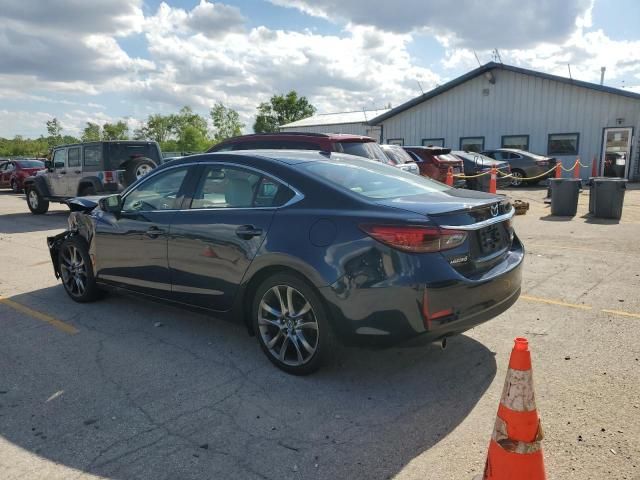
{"type": "Point", "coordinates": [450, 177]}
{"type": "Point", "coordinates": [492, 180]}
{"type": "Point", "coordinates": [515, 451]}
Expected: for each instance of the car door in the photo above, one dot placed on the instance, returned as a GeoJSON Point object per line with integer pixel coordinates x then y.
{"type": "Point", "coordinates": [74, 171]}
{"type": "Point", "coordinates": [5, 174]}
{"type": "Point", "coordinates": [214, 239]}
{"type": "Point", "coordinates": [56, 178]}
{"type": "Point", "coordinates": [131, 247]}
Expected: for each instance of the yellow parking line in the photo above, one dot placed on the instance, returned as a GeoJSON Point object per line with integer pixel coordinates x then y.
{"type": "Point", "coordinates": [555, 302]}
{"type": "Point", "coordinates": [621, 312]}
{"type": "Point", "coordinates": [59, 324]}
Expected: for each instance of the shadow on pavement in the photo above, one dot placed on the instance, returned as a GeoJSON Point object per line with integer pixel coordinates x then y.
{"type": "Point", "coordinates": [196, 397]}
{"type": "Point", "coordinates": [555, 218]}
{"type": "Point", "coordinates": [28, 222]}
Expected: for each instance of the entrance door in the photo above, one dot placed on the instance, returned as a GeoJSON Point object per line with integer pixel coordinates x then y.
{"type": "Point", "coordinates": [616, 152]}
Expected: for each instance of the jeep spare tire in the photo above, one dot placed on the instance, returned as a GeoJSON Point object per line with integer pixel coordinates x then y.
{"type": "Point", "coordinates": [138, 168]}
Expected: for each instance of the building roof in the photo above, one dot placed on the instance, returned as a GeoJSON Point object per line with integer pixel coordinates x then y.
{"type": "Point", "coordinates": [499, 66]}
{"type": "Point", "coordinates": [359, 116]}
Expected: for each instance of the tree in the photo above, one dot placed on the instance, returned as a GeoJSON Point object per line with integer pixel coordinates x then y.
{"type": "Point", "coordinates": [280, 110]}
{"type": "Point", "coordinates": [190, 130]}
{"type": "Point", "coordinates": [92, 132]}
{"type": "Point", "coordinates": [226, 122]}
{"type": "Point", "coordinates": [158, 128]}
{"type": "Point", "coordinates": [54, 130]}
{"type": "Point", "coordinates": [115, 131]}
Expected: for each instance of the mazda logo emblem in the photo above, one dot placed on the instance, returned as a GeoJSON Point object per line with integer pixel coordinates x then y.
{"type": "Point", "coordinates": [494, 210]}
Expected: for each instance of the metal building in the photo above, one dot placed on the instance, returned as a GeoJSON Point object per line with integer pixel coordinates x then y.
{"type": "Point", "coordinates": [356, 122]}
{"type": "Point", "coordinates": [498, 105]}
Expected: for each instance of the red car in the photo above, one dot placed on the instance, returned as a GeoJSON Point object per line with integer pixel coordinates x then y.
{"type": "Point", "coordinates": [434, 162]}
{"type": "Point", "coordinates": [13, 172]}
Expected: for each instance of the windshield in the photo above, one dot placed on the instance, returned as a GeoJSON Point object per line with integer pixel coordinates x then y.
{"type": "Point", "coordinates": [397, 154]}
{"type": "Point", "coordinates": [364, 149]}
{"type": "Point", "coordinates": [372, 180]}
{"type": "Point", "coordinates": [30, 163]}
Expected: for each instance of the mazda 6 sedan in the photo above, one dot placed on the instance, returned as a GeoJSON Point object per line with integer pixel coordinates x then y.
{"type": "Point", "coordinates": [306, 248]}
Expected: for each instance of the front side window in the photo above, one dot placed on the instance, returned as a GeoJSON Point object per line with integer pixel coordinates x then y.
{"type": "Point", "coordinates": [519, 142]}
{"type": "Point", "coordinates": [372, 180]}
{"type": "Point", "coordinates": [563, 144]}
{"type": "Point", "coordinates": [73, 157]}
{"type": "Point", "coordinates": [159, 192]}
{"type": "Point", "coordinates": [59, 158]}
{"type": "Point", "coordinates": [472, 144]}
{"type": "Point", "coordinates": [230, 187]}
{"type": "Point", "coordinates": [433, 142]}
{"type": "Point", "coordinates": [92, 156]}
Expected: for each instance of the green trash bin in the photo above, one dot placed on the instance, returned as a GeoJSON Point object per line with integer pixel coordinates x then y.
{"type": "Point", "coordinates": [564, 196]}
{"type": "Point", "coordinates": [607, 196]}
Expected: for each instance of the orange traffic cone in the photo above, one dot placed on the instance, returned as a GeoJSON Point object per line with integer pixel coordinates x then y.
{"type": "Point", "coordinates": [576, 168]}
{"type": "Point", "coordinates": [492, 182]}
{"type": "Point", "coordinates": [594, 167]}
{"type": "Point", "coordinates": [515, 451]}
{"type": "Point", "coordinates": [558, 170]}
{"type": "Point", "coordinates": [450, 177]}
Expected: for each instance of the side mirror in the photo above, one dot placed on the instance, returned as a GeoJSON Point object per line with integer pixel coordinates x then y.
{"type": "Point", "coordinates": [111, 204]}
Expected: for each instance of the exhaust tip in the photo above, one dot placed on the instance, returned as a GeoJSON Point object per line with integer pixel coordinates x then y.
{"type": "Point", "coordinates": [442, 343]}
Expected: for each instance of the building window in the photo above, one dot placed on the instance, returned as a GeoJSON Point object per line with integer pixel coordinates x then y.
{"type": "Point", "coordinates": [472, 144]}
{"type": "Point", "coordinates": [521, 142]}
{"type": "Point", "coordinates": [563, 143]}
{"type": "Point", "coordinates": [395, 141]}
{"type": "Point", "coordinates": [433, 142]}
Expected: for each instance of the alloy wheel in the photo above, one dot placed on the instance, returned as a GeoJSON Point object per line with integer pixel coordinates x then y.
{"type": "Point", "coordinates": [516, 179]}
{"type": "Point", "coordinates": [288, 325]}
{"type": "Point", "coordinates": [142, 170]}
{"type": "Point", "coordinates": [33, 199]}
{"type": "Point", "coordinates": [73, 270]}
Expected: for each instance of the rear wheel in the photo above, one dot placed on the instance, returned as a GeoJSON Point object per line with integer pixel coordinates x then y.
{"type": "Point", "coordinates": [76, 270]}
{"type": "Point", "coordinates": [37, 204]}
{"type": "Point", "coordinates": [291, 324]}
{"type": "Point", "coordinates": [517, 177]}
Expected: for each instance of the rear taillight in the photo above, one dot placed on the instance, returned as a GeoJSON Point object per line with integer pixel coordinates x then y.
{"type": "Point", "coordinates": [109, 177]}
{"type": "Point", "coordinates": [415, 239]}
{"type": "Point", "coordinates": [542, 163]}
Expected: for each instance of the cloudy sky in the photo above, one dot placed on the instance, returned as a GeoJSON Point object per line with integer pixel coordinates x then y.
{"type": "Point", "coordinates": [103, 60]}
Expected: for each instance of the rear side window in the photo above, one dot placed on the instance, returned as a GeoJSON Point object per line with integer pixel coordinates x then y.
{"type": "Point", "coordinates": [92, 156]}
{"type": "Point", "coordinates": [372, 180]}
{"type": "Point", "coordinates": [73, 157]}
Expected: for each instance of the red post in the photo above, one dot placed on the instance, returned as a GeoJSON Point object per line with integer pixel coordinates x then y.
{"type": "Point", "coordinates": [493, 182]}
{"type": "Point", "coordinates": [558, 170]}
{"type": "Point", "coordinates": [594, 167]}
{"type": "Point", "coordinates": [576, 168]}
{"type": "Point", "coordinates": [450, 177]}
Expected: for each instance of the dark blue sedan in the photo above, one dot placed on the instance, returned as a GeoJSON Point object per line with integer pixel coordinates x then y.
{"type": "Point", "coordinates": [304, 247]}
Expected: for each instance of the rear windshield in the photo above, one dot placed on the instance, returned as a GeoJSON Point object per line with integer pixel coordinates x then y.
{"type": "Point", "coordinates": [121, 152]}
{"type": "Point", "coordinates": [398, 154]}
{"type": "Point", "coordinates": [30, 163]}
{"type": "Point", "coordinates": [364, 149]}
{"type": "Point", "coordinates": [372, 180]}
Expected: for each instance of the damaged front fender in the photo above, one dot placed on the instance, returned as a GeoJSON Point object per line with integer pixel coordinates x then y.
{"type": "Point", "coordinates": [80, 224]}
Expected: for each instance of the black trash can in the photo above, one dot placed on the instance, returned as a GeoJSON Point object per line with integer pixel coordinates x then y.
{"type": "Point", "coordinates": [564, 196]}
{"type": "Point", "coordinates": [607, 196]}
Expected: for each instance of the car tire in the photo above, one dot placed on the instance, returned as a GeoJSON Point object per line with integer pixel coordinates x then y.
{"type": "Point", "coordinates": [36, 202]}
{"type": "Point", "coordinates": [518, 177]}
{"type": "Point", "coordinates": [87, 191]}
{"type": "Point", "coordinates": [138, 168]}
{"type": "Point", "coordinates": [76, 270]}
{"type": "Point", "coordinates": [298, 344]}
{"type": "Point", "coordinates": [14, 186]}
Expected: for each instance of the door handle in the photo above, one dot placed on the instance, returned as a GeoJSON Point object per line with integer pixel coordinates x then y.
{"type": "Point", "coordinates": [153, 232]}
{"type": "Point", "coordinates": [248, 231]}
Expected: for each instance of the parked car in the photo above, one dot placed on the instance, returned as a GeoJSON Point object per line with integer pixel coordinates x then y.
{"type": "Point", "coordinates": [305, 247]}
{"type": "Point", "coordinates": [524, 164]}
{"type": "Point", "coordinates": [13, 172]}
{"type": "Point", "coordinates": [476, 163]}
{"type": "Point", "coordinates": [399, 158]}
{"type": "Point", "coordinates": [357, 145]}
{"type": "Point", "coordinates": [434, 162]}
{"type": "Point", "coordinates": [84, 169]}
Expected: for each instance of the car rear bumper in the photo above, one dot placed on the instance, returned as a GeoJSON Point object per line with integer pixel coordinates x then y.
{"type": "Point", "coordinates": [389, 314]}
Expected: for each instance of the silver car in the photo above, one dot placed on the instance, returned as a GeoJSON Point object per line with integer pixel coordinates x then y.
{"type": "Point", "coordinates": [524, 165]}
{"type": "Point", "coordinates": [398, 157]}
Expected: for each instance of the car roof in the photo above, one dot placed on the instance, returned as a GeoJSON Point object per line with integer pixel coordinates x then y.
{"type": "Point", "coordinates": [96, 142]}
{"type": "Point", "coordinates": [332, 136]}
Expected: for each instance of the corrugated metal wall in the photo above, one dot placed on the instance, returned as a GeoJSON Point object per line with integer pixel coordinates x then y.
{"type": "Point", "coordinates": [519, 104]}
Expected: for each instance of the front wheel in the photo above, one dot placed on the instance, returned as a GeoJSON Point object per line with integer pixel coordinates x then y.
{"type": "Point", "coordinates": [291, 324]}
{"type": "Point", "coordinates": [517, 178]}
{"type": "Point", "coordinates": [76, 270]}
{"type": "Point", "coordinates": [37, 204]}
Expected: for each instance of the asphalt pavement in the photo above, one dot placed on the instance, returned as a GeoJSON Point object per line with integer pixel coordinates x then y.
{"type": "Point", "coordinates": [127, 388]}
